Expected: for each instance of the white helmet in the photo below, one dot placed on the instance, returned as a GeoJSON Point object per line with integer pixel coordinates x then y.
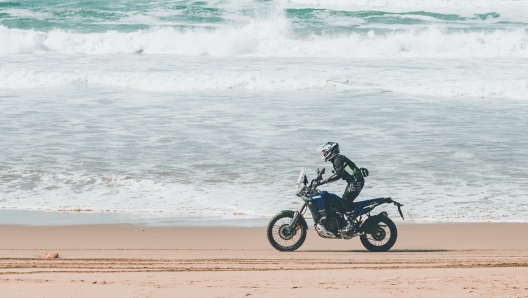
{"type": "Point", "coordinates": [330, 150]}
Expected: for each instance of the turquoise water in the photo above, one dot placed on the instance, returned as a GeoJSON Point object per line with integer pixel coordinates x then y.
{"type": "Point", "coordinates": [99, 16]}
{"type": "Point", "coordinates": [210, 108]}
{"type": "Point", "coordinates": [454, 29]}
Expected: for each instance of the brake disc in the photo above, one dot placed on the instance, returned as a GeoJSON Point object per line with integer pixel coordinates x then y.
{"type": "Point", "coordinates": [284, 234]}
{"type": "Point", "coordinates": [379, 234]}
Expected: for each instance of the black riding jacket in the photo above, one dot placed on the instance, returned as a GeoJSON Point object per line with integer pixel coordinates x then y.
{"type": "Point", "coordinates": [344, 169]}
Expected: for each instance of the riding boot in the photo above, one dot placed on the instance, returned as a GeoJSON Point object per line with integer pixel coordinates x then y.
{"type": "Point", "coordinates": [322, 216]}
{"type": "Point", "coordinates": [347, 229]}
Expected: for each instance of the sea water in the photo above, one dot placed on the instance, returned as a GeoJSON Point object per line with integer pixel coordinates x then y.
{"type": "Point", "coordinates": [210, 108]}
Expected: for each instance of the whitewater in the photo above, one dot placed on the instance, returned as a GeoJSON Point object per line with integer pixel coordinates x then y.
{"type": "Point", "coordinates": [211, 108]}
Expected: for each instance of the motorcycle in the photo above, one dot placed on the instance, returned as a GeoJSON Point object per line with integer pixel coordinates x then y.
{"type": "Point", "coordinates": [287, 230]}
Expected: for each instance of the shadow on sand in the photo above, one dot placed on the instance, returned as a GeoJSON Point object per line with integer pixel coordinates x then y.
{"type": "Point", "coordinates": [366, 251]}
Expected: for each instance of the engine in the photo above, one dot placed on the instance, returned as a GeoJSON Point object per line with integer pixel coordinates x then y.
{"type": "Point", "coordinates": [334, 222]}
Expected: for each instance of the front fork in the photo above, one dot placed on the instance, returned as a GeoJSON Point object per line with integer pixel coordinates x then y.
{"type": "Point", "coordinates": [295, 218]}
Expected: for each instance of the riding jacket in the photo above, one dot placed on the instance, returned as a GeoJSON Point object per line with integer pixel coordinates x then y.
{"type": "Point", "coordinates": [344, 169]}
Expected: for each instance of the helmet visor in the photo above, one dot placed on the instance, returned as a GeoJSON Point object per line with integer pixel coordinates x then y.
{"type": "Point", "coordinates": [326, 152]}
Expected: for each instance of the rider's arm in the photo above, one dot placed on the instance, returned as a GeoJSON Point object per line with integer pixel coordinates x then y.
{"type": "Point", "coordinates": [350, 163]}
{"type": "Point", "coordinates": [363, 171]}
{"type": "Point", "coordinates": [339, 166]}
{"type": "Point", "coordinates": [338, 170]}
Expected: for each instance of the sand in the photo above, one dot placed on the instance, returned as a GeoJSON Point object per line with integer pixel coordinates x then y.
{"type": "Point", "coordinates": [428, 260]}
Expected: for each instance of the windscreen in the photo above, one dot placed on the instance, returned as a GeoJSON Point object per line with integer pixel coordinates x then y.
{"type": "Point", "coordinates": [301, 177]}
{"type": "Point", "coordinates": [300, 181]}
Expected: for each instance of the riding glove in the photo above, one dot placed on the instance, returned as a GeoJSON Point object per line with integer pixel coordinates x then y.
{"type": "Point", "coordinates": [364, 172]}
{"type": "Point", "coordinates": [321, 182]}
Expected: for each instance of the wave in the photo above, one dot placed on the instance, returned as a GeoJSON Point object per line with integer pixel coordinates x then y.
{"type": "Point", "coordinates": [270, 38]}
{"type": "Point", "coordinates": [460, 85]}
{"type": "Point", "coordinates": [21, 79]}
{"type": "Point", "coordinates": [420, 4]}
{"type": "Point", "coordinates": [85, 192]}
{"type": "Point", "coordinates": [122, 193]}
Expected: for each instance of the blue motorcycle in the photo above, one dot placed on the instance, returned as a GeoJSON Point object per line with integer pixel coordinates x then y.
{"type": "Point", "coordinates": [287, 230]}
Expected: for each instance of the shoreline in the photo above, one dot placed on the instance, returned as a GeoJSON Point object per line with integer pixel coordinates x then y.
{"type": "Point", "coordinates": [30, 217]}
{"type": "Point", "coordinates": [142, 218]}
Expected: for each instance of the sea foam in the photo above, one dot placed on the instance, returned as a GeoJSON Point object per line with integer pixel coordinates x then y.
{"type": "Point", "coordinates": [425, 77]}
{"type": "Point", "coordinates": [271, 38]}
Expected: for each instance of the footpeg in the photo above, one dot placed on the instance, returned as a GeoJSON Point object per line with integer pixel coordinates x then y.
{"type": "Point", "coordinates": [347, 232]}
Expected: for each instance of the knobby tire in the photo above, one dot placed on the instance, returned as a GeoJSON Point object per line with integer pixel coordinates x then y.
{"type": "Point", "coordinates": [278, 246]}
{"type": "Point", "coordinates": [392, 240]}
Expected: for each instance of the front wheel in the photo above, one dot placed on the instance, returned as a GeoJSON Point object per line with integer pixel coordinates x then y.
{"type": "Point", "coordinates": [280, 238]}
{"type": "Point", "coordinates": [382, 237]}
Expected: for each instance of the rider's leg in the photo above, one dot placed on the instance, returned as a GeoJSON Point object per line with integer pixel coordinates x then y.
{"type": "Point", "coordinates": [351, 193]}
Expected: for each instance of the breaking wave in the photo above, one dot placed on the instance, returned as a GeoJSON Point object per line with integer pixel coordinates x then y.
{"type": "Point", "coordinates": [271, 38]}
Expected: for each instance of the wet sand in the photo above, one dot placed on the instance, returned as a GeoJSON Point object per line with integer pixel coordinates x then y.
{"type": "Point", "coordinates": [428, 260]}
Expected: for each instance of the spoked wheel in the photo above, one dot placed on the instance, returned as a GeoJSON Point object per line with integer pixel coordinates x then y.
{"type": "Point", "coordinates": [280, 238]}
{"type": "Point", "coordinates": [381, 238]}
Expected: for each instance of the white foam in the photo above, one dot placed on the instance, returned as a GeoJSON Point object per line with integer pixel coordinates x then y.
{"type": "Point", "coordinates": [21, 79]}
{"type": "Point", "coordinates": [85, 192]}
{"type": "Point", "coordinates": [121, 193]}
{"type": "Point", "coordinates": [473, 78]}
{"type": "Point", "coordinates": [271, 38]}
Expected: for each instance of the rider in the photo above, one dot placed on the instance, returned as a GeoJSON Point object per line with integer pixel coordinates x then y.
{"type": "Point", "coordinates": [344, 169]}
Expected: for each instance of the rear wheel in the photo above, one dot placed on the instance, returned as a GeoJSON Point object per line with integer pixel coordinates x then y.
{"type": "Point", "coordinates": [279, 235]}
{"type": "Point", "coordinates": [382, 237]}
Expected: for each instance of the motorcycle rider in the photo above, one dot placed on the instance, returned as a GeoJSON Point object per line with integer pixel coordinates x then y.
{"type": "Point", "coordinates": [344, 169]}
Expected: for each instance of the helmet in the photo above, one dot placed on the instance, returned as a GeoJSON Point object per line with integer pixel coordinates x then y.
{"type": "Point", "coordinates": [330, 150]}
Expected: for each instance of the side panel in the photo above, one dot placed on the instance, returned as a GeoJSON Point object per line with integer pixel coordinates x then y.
{"type": "Point", "coordinates": [333, 196]}
{"type": "Point", "coordinates": [318, 200]}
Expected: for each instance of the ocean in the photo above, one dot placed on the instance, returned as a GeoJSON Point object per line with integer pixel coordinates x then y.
{"type": "Point", "coordinates": [210, 108]}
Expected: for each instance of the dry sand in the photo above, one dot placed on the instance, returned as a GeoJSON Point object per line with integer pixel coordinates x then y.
{"type": "Point", "coordinates": [428, 260]}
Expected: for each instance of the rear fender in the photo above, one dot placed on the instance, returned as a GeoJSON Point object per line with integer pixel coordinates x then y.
{"type": "Point", "coordinates": [300, 220]}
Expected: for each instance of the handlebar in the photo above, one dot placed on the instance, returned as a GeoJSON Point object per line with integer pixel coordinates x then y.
{"type": "Point", "coordinates": [315, 180]}
{"type": "Point", "coordinates": [318, 178]}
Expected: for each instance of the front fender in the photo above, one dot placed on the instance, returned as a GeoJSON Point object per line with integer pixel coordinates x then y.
{"type": "Point", "coordinates": [300, 220]}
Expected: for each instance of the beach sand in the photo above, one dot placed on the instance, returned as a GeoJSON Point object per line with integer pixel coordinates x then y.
{"type": "Point", "coordinates": [428, 260]}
